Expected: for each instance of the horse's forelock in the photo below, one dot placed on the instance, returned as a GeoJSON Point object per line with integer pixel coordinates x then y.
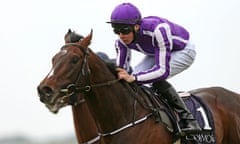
{"type": "Point", "coordinates": [72, 37]}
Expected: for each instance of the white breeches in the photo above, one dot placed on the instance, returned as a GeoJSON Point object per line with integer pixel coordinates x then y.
{"type": "Point", "coordinates": [179, 61]}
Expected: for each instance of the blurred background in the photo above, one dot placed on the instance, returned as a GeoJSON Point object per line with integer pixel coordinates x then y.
{"type": "Point", "coordinates": [31, 32]}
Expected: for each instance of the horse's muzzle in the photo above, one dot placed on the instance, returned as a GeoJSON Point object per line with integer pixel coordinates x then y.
{"type": "Point", "coordinates": [45, 93]}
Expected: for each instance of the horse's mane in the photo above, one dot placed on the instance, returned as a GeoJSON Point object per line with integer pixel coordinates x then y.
{"type": "Point", "coordinates": [111, 66]}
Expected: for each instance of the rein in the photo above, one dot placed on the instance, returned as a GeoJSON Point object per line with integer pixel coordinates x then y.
{"type": "Point", "coordinates": [72, 89]}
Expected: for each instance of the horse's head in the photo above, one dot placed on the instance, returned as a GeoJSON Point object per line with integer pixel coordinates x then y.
{"type": "Point", "coordinates": [69, 67]}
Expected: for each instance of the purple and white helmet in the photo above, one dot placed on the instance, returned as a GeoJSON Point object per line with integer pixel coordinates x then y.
{"type": "Point", "coordinates": [125, 13]}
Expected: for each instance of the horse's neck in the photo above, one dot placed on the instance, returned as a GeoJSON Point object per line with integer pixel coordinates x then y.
{"type": "Point", "coordinates": [113, 105]}
{"type": "Point", "coordinates": [85, 126]}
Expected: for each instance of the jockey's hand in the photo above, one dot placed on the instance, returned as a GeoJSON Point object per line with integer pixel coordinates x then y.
{"type": "Point", "coordinates": [123, 74]}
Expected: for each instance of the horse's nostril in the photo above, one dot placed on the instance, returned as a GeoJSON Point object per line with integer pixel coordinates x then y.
{"type": "Point", "coordinates": [44, 91]}
{"type": "Point", "coordinates": [42, 99]}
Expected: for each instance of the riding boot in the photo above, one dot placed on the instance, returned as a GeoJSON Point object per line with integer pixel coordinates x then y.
{"type": "Point", "coordinates": [187, 120]}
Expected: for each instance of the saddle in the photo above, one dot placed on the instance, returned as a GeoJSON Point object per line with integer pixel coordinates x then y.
{"type": "Point", "coordinates": [164, 114]}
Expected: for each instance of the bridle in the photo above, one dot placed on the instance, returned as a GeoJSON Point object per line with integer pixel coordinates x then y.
{"type": "Point", "coordinates": [73, 88]}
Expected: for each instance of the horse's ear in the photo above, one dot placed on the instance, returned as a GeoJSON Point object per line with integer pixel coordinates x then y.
{"type": "Point", "coordinates": [87, 40]}
{"type": "Point", "coordinates": [89, 37]}
{"type": "Point", "coordinates": [67, 36]}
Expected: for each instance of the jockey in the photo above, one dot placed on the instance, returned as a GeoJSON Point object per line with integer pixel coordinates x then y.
{"type": "Point", "coordinates": [168, 51]}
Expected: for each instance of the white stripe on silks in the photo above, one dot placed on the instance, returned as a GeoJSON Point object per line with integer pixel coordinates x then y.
{"type": "Point", "coordinates": [168, 32]}
{"type": "Point", "coordinates": [118, 54]}
{"type": "Point", "coordinates": [150, 76]}
{"type": "Point", "coordinates": [179, 38]}
{"type": "Point", "coordinates": [162, 48]}
{"type": "Point", "coordinates": [148, 33]}
{"type": "Point", "coordinates": [128, 56]}
{"type": "Point", "coordinates": [162, 53]}
{"type": "Point", "coordinates": [128, 59]}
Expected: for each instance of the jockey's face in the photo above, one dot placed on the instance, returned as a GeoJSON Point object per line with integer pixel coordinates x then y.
{"type": "Point", "coordinates": [126, 38]}
{"type": "Point", "coordinates": [126, 34]}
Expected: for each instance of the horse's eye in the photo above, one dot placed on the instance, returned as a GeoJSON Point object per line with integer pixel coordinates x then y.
{"type": "Point", "coordinates": [75, 60]}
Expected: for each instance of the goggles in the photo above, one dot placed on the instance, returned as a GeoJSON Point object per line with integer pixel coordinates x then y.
{"type": "Point", "coordinates": [123, 30]}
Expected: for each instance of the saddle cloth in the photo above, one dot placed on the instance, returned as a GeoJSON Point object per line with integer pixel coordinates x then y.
{"type": "Point", "coordinates": [203, 115]}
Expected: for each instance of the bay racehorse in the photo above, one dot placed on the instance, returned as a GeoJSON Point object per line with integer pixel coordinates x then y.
{"type": "Point", "coordinates": [85, 127]}
{"type": "Point", "coordinates": [117, 108]}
